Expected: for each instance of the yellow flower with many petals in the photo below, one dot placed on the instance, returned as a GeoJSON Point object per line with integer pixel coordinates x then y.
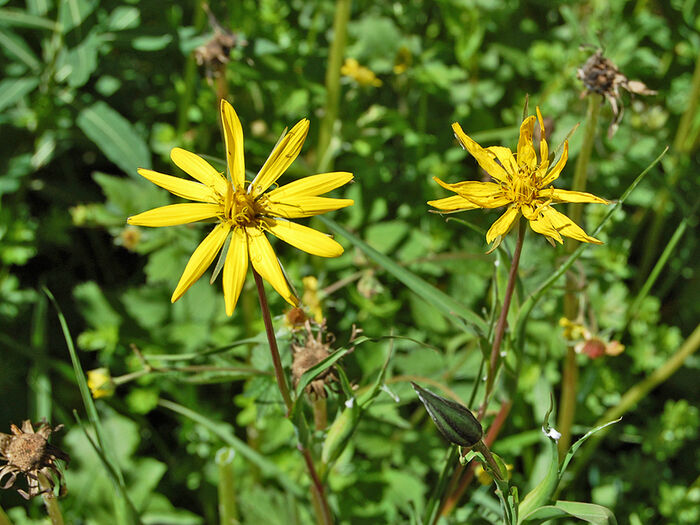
{"type": "Point", "coordinates": [522, 182]}
{"type": "Point", "coordinates": [244, 211]}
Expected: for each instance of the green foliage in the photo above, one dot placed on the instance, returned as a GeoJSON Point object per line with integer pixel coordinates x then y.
{"type": "Point", "coordinates": [91, 91]}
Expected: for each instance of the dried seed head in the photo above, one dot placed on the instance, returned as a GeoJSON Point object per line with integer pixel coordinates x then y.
{"type": "Point", "coordinates": [28, 453]}
{"type": "Point", "coordinates": [600, 75]}
{"type": "Point", "coordinates": [215, 53]}
{"type": "Point", "coordinates": [310, 351]}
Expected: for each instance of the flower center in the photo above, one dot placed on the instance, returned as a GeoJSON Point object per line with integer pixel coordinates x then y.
{"type": "Point", "coordinates": [522, 188]}
{"type": "Point", "coordinates": [240, 208]}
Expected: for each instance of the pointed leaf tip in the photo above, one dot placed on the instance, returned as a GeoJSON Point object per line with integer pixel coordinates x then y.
{"type": "Point", "coordinates": [455, 422]}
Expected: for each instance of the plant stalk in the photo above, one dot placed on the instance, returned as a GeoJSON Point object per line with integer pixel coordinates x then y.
{"type": "Point", "coordinates": [52, 508]}
{"type": "Point", "coordinates": [501, 324]}
{"type": "Point", "coordinates": [323, 512]}
{"type": "Point", "coordinates": [567, 404]}
{"type": "Point", "coordinates": [335, 59]}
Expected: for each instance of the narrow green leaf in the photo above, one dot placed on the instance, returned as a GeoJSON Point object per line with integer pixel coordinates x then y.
{"type": "Point", "coordinates": [71, 13]}
{"type": "Point", "coordinates": [453, 310]}
{"type": "Point", "coordinates": [314, 371]}
{"type": "Point", "coordinates": [543, 492]}
{"type": "Point", "coordinates": [17, 48]}
{"type": "Point", "coordinates": [572, 450]}
{"type": "Point", "coordinates": [115, 137]}
{"type": "Point", "coordinates": [455, 422]}
{"type": "Point", "coordinates": [225, 433]}
{"type": "Point", "coordinates": [13, 89]}
{"type": "Point", "coordinates": [20, 18]}
{"type": "Point", "coordinates": [587, 512]}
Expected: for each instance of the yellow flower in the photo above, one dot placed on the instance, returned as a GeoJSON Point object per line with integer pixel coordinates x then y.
{"type": "Point", "coordinates": [244, 211]}
{"type": "Point", "coordinates": [522, 182]}
{"type": "Point", "coordinates": [100, 383]}
{"type": "Point", "coordinates": [360, 74]}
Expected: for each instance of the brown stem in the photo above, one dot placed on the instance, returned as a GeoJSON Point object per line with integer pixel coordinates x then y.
{"type": "Point", "coordinates": [323, 511]}
{"type": "Point", "coordinates": [272, 340]}
{"type": "Point", "coordinates": [501, 324]}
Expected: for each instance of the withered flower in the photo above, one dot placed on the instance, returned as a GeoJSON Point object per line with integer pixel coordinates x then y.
{"type": "Point", "coordinates": [600, 75]}
{"type": "Point", "coordinates": [308, 352]}
{"type": "Point", "coordinates": [215, 53]}
{"type": "Point", "coordinates": [28, 453]}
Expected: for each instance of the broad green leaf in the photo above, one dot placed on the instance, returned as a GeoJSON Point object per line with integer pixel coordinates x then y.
{"type": "Point", "coordinates": [13, 89]}
{"type": "Point", "coordinates": [76, 65]}
{"type": "Point", "coordinates": [17, 48]}
{"type": "Point", "coordinates": [20, 18]}
{"type": "Point", "coordinates": [451, 309]}
{"type": "Point", "coordinates": [587, 512]}
{"type": "Point", "coordinates": [115, 137]}
{"type": "Point", "coordinates": [71, 13]}
{"type": "Point", "coordinates": [124, 17]}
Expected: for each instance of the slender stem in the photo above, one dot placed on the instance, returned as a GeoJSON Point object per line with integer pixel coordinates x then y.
{"type": "Point", "coordinates": [501, 324]}
{"type": "Point", "coordinates": [567, 404]}
{"type": "Point", "coordinates": [320, 413]}
{"type": "Point", "coordinates": [272, 340]}
{"type": "Point", "coordinates": [484, 449]}
{"type": "Point", "coordinates": [50, 502]}
{"type": "Point", "coordinates": [228, 512]}
{"type": "Point", "coordinates": [335, 58]}
{"type": "Point", "coordinates": [323, 512]}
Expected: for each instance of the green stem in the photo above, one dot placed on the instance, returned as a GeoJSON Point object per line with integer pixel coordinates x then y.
{"type": "Point", "coordinates": [50, 501]}
{"type": "Point", "coordinates": [228, 513]}
{"type": "Point", "coordinates": [335, 60]}
{"type": "Point", "coordinates": [481, 447]}
{"type": "Point", "coordinates": [567, 403]}
{"type": "Point", "coordinates": [189, 76]}
{"type": "Point", "coordinates": [636, 393]}
{"type": "Point", "coordinates": [501, 324]}
{"type": "Point", "coordinates": [323, 512]}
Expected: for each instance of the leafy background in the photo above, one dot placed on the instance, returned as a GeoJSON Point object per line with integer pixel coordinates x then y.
{"type": "Point", "coordinates": [91, 90]}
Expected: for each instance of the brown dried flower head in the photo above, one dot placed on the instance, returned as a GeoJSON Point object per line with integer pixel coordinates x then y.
{"type": "Point", "coordinates": [28, 453]}
{"type": "Point", "coordinates": [215, 53]}
{"type": "Point", "coordinates": [600, 75]}
{"type": "Point", "coordinates": [311, 350]}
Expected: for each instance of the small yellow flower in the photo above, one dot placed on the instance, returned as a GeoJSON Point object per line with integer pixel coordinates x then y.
{"type": "Point", "coordinates": [244, 210]}
{"type": "Point", "coordinates": [522, 183]}
{"type": "Point", "coordinates": [100, 383]}
{"type": "Point", "coordinates": [311, 297]}
{"type": "Point", "coordinates": [360, 74]}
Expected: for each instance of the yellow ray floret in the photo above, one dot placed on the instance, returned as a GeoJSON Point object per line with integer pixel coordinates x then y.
{"type": "Point", "coordinates": [522, 182]}
{"type": "Point", "coordinates": [244, 214]}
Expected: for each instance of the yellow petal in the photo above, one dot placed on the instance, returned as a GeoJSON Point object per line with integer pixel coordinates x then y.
{"type": "Point", "coordinates": [201, 259]}
{"type": "Point", "coordinates": [526, 151]}
{"type": "Point", "coordinates": [235, 268]}
{"type": "Point", "coordinates": [541, 223]}
{"type": "Point", "coordinates": [454, 203]}
{"type": "Point", "coordinates": [566, 226]}
{"type": "Point", "coordinates": [503, 224]}
{"type": "Point", "coordinates": [505, 157]}
{"type": "Point", "coordinates": [306, 207]}
{"type": "Point", "coordinates": [556, 170]}
{"type": "Point", "coordinates": [175, 214]}
{"type": "Point", "coordinates": [482, 156]}
{"type": "Point", "coordinates": [233, 138]}
{"type": "Point", "coordinates": [310, 186]}
{"type": "Point", "coordinates": [265, 262]}
{"type": "Point", "coordinates": [188, 189]}
{"type": "Point", "coordinates": [544, 150]}
{"type": "Point", "coordinates": [306, 239]}
{"type": "Point", "coordinates": [482, 194]}
{"type": "Point", "coordinates": [571, 196]}
{"type": "Point", "coordinates": [199, 169]}
{"type": "Point", "coordinates": [281, 157]}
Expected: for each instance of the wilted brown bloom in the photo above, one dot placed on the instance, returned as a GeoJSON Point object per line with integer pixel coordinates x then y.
{"type": "Point", "coordinates": [29, 453]}
{"type": "Point", "coordinates": [600, 75]}
{"type": "Point", "coordinates": [310, 351]}
{"type": "Point", "coordinates": [215, 53]}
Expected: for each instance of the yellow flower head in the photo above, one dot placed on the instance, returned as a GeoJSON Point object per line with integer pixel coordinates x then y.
{"type": "Point", "coordinates": [244, 210]}
{"type": "Point", "coordinates": [522, 182]}
{"type": "Point", "coordinates": [364, 76]}
{"type": "Point", "coordinates": [100, 383]}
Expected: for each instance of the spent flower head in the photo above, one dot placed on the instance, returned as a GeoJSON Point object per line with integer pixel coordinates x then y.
{"type": "Point", "coordinates": [522, 183]}
{"type": "Point", "coordinates": [245, 211]}
{"type": "Point", "coordinates": [28, 453]}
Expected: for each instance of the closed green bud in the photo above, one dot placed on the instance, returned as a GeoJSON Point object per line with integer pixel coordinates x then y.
{"type": "Point", "coordinates": [454, 421]}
